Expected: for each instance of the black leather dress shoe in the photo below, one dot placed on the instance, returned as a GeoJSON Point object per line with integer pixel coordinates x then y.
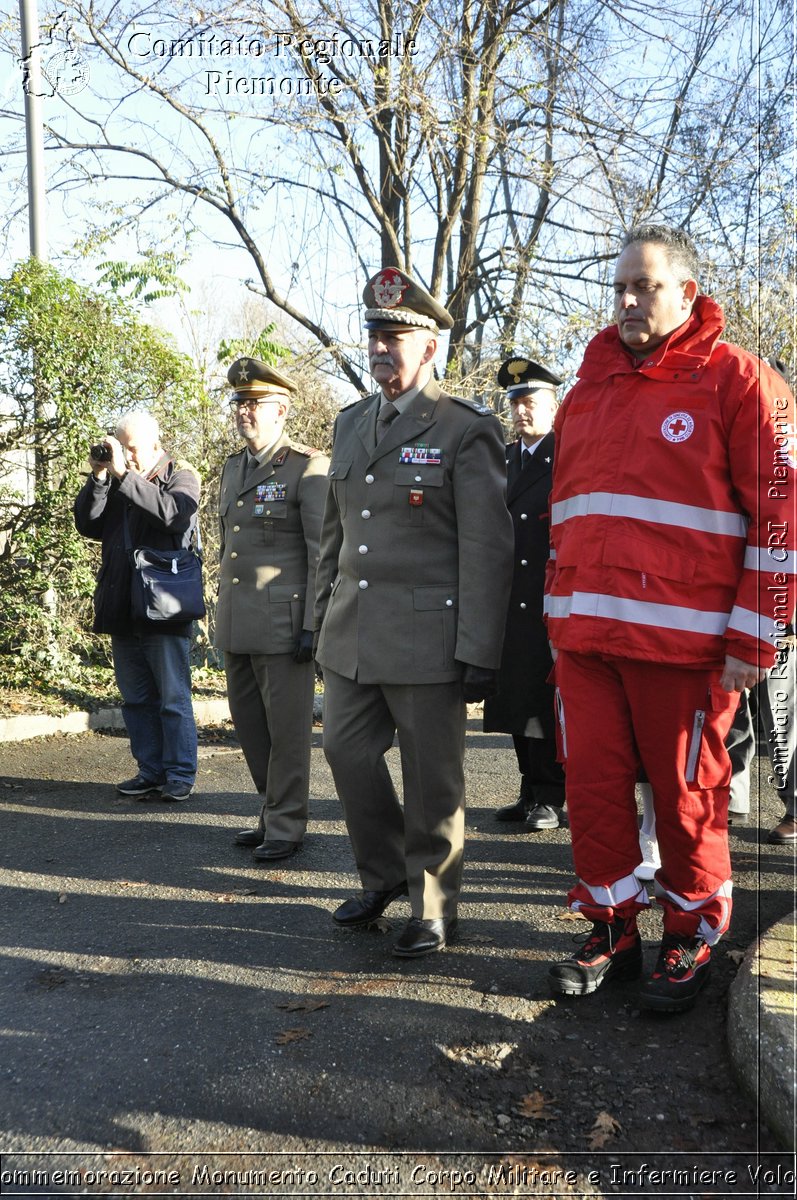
{"type": "Point", "coordinates": [544, 816]}
{"type": "Point", "coordinates": [272, 850]}
{"type": "Point", "coordinates": [424, 936]}
{"type": "Point", "coordinates": [366, 907]}
{"type": "Point", "coordinates": [249, 837]}
{"type": "Point", "coordinates": [516, 811]}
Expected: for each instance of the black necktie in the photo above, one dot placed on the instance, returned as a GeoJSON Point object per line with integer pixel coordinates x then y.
{"type": "Point", "coordinates": [525, 460]}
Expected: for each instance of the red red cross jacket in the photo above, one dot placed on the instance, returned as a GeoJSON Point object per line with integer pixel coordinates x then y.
{"type": "Point", "coordinates": [673, 502]}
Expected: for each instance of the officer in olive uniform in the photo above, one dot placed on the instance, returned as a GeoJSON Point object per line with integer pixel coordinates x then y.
{"type": "Point", "coordinates": [416, 564]}
{"type": "Point", "coordinates": [270, 508]}
{"type": "Point", "coordinates": [524, 705]}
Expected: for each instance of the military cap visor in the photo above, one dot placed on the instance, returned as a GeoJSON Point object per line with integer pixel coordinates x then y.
{"type": "Point", "coordinates": [522, 375]}
{"type": "Point", "coordinates": [249, 378]}
{"type": "Point", "coordinates": [392, 300]}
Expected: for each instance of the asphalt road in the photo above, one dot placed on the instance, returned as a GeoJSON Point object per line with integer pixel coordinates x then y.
{"type": "Point", "coordinates": [177, 1020]}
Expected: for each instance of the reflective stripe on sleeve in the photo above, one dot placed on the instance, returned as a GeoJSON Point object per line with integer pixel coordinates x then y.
{"type": "Point", "coordinates": [754, 625]}
{"type": "Point", "coordinates": [644, 508]}
{"type": "Point", "coordinates": [770, 558]}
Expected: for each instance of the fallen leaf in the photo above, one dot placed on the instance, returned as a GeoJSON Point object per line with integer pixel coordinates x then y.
{"type": "Point", "coordinates": [292, 1035]}
{"type": "Point", "coordinates": [303, 1005]}
{"type": "Point", "coordinates": [490, 1055]}
{"type": "Point", "coordinates": [571, 915]}
{"type": "Point", "coordinates": [62, 899]}
{"type": "Point", "coordinates": [535, 1105]}
{"type": "Point", "coordinates": [605, 1128]}
{"type": "Point", "coordinates": [736, 956]}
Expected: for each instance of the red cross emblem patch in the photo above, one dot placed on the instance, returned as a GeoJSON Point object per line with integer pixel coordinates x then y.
{"type": "Point", "coordinates": [678, 427]}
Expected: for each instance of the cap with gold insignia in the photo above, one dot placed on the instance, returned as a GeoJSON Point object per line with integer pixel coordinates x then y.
{"type": "Point", "coordinates": [250, 378]}
{"type": "Point", "coordinates": [392, 298]}
{"type": "Point", "coordinates": [522, 375]}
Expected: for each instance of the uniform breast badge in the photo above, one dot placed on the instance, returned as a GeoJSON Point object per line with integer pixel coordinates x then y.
{"type": "Point", "coordinates": [271, 491]}
{"type": "Point", "coordinates": [416, 497]}
{"type": "Point", "coordinates": [420, 455]}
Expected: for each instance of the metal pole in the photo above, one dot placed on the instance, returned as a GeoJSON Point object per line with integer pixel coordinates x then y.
{"type": "Point", "coordinates": [31, 58]}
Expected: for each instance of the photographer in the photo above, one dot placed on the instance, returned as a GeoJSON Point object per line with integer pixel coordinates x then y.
{"type": "Point", "coordinates": [137, 495]}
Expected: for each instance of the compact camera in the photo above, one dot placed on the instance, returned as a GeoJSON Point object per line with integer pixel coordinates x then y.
{"type": "Point", "coordinates": [101, 453]}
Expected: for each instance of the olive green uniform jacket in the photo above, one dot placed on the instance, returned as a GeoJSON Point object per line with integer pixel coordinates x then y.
{"type": "Point", "coordinates": [416, 544]}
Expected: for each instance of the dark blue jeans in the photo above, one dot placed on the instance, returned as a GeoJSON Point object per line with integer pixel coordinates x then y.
{"type": "Point", "coordinates": [154, 677]}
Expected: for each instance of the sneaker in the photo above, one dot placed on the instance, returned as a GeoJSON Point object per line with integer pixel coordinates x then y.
{"type": "Point", "coordinates": [651, 859]}
{"type": "Point", "coordinates": [138, 786]}
{"type": "Point", "coordinates": [176, 791]}
{"type": "Point", "coordinates": [610, 951]}
{"type": "Point", "coordinates": [681, 970]}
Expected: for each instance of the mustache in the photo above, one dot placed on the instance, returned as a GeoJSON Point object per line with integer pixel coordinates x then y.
{"type": "Point", "coordinates": [383, 359]}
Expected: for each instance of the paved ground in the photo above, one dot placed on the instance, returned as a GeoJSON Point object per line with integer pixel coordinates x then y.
{"type": "Point", "coordinates": [177, 1020]}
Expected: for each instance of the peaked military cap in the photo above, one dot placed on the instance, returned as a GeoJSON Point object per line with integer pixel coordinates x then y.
{"type": "Point", "coordinates": [521, 375]}
{"type": "Point", "coordinates": [392, 298]}
{"type": "Point", "coordinates": [250, 378]}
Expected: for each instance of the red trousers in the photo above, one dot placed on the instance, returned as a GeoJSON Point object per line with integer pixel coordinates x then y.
{"type": "Point", "coordinates": [615, 715]}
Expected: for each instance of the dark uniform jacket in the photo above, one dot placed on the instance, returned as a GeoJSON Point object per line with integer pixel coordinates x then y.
{"type": "Point", "coordinates": [526, 659]}
{"type": "Point", "coordinates": [161, 513]}
{"type": "Point", "coordinates": [269, 522]}
{"type": "Point", "coordinates": [416, 545]}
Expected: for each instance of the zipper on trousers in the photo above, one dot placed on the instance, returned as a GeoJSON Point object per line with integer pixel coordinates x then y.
{"type": "Point", "coordinates": [694, 745]}
{"type": "Point", "coordinates": [560, 712]}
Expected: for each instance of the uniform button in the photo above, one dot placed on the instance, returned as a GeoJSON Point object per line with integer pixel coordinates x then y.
{"type": "Point", "coordinates": [523, 517]}
{"type": "Point", "coordinates": [236, 581]}
{"type": "Point", "coordinates": [234, 554]}
{"type": "Point", "coordinates": [363, 549]}
{"type": "Point", "coordinates": [522, 605]}
{"type": "Point", "coordinates": [524, 562]}
{"type": "Point", "coordinates": [365, 514]}
{"type": "Point", "coordinates": [369, 479]}
{"type": "Point", "coordinates": [268, 512]}
{"type": "Point", "coordinates": [363, 584]}
{"type": "Point", "coordinates": [417, 479]}
{"type": "Point", "coordinates": [449, 603]}
{"type": "Point", "coordinates": [236, 528]}
{"type": "Point", "coordinates": [296, 595]}
{"type": "Point", "coordinates": [239, 503]}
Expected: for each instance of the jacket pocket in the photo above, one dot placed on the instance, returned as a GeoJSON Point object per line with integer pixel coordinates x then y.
{"type": "Point", "coordinates": [434, 627]}
{"type": "Point", "coordinates": [286, 611]}
{"type": "Point", "coordinates": [337, 475]}
{"type": "Point", "coordinates": [649, 559]}
{"type": "Point", "coordinates": [410, 482]}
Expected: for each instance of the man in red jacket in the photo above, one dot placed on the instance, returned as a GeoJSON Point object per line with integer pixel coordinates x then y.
{"type": "Point", "coordinates": [671, 587]}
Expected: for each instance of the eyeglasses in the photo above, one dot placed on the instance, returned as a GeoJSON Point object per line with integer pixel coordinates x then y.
{"type": "Point", "coordinates": [251, 405]}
